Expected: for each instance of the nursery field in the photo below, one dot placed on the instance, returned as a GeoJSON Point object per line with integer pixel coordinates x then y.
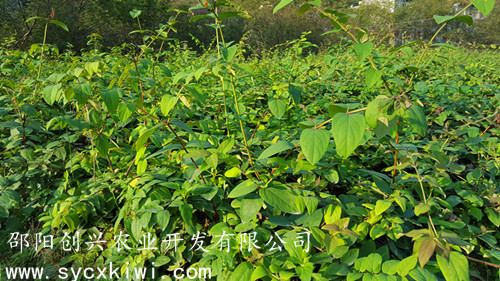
{"type": "Point", "coordinates": [358, 162]}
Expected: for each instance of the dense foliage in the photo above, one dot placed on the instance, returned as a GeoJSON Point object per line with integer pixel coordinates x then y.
{"type": "Point", "coordinates": [361, 162]}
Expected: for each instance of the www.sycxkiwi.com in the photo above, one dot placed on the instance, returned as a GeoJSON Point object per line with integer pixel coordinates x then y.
{"type": "Point", "coordinates": [109, 272]}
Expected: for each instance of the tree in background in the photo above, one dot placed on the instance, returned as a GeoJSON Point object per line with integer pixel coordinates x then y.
{"type": "Point", "coordinates": [108, 18]}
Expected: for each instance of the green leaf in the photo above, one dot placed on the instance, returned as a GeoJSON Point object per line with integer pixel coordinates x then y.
{"type": "Point", "coordinates": [125, 110]}
{"type": "Point", "coordinates": [373, 111]}
{"type": "Point", "coordinates": [167, 103]}
{"type": "Point", "coordinates": [485, 6]}
{"type": "Point", "coordinates": [385, 126]}
{"type": "Point", "coordinates": [281, 5]}
{"type": "Point", "coordinates": [332, 213]}
{"type": "Point", "coordinates": [296, 92]}
{"type": "Point", "coordinates": [422, 208]}
{"type": "Point", "coordinates": [422, 274]}
{"type": "Point", "coordinates": [186, 212]}
{"type": "Point", "coordinates": [229, 53]}
{"type": "Point", "coordinates": [195, 18]}
{"type": "Point", "coordinates": [60, 24]}
{"type": "Point", "coordinates": [135, 13]}
{"type": "Point", "coordinates": [314, 144]}
{"type": "Point", "coordinates": [243, 272]}
{"type": "Point", "coordinates": [34, 18]}
{"type": "Point", "coordinates": [373, 77]}
{"type": "Point", "coordinates": [363, 50]}
{"type": "Point", "coordinates": [226, 15]}
{"type": "Point", "coordinates": [277, 107]}
{"type": "Point", "coordinates": [249, 209]}
{"type": "Point", "coordinates": [372, 263]}
{"type": "Point", "coordinates": [275, 149]}
{"type": "Point", "coordinates": [162, 218]}
{"type": "Point", "coordinates": [243, 189]}
{"type": "Point", "coordinates": [382, 206]}
{"type": "Point", "coordinates": [82, 92]}
{"type": "Point", "coordinates": [441, 19]}
{"type": "Point", "coordinates": [111, 99]}
{"type": "Point", "coordinates": [456, 269]}
{"type": "Point", "coordinates": [493, 216]}
{"type": "Point", "coordinates": [416, 117]}
{"type": "Point", "coordinates": [406, 265]}
{"type": "Point", "coordinates": [233, 172]}
{"type": "Point", "coordinates": [305, 272]}
{"type": "Point", "coordinates": [426, 250]}
{"type": "Point", "coordinates": [280, 197]}
{"type": "Point", "coordinates": [102, 144]}
{"type": "Point", "coordinates": [348, 131]}
{"type": "Point", "coordinates": [52, 93]}
{"type": "Point", "coordinates": [335, 108]}
{"type": "Point", "coordinates": [304, 8]}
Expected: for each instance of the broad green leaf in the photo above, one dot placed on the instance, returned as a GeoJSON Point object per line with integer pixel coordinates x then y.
{"type": "Point", "coordinates": [233, 172]}
{"type": "Point", "coordinates": [279, 197]}
{"type": "Point", "coordinates": [125, 110]}
{"type": "Point", "coordinates": [426, 250]}
{"type": "Point", "coordinates": [372, 263]}
{"type": "Point", "coordinates": [332, 213]}
{"type": "Point", "coordinates": [348, 131]}
{"type": "Point", "coordinates": [52, 93]}
{"type": "Point", "coordinates": [296, 92]}
{"type": "Point", "coordinates": [441, 19]}
{"type": "Point", "coordinates": [335, 108]}
{"type": "Point", "coordinates": [363, 50]}
{"type": "Point", "coordinates": [102, 144]}
{"type": "Point", "coordinates": [372, 112]}
{"type": "Point", "coordinates": [229, 53]}
{"type": "Point", "coordinates": [281, 5]}
{"type": "Point", "coordinates": [259, 272]}
{"type": "Point", "coordinates": [422, 208]}
{"type": "Point", "coordinates": [304, 8]}
{"type": "Point", "coordinates": [456, 268]}
{"type": "Point", "coordinates": [373, 77]}
{"type": "Point", "coordinates": [167, 103]}
{"type": "Point", "coordinates": [243, 272]}
{"type": "Point", "coordinates": [249, 209]}
{"type": "Point", "coordinates": [111, 99]}
{"type": "Point", "coordinates": [60, 24]}
{"type": "Point", "coordinates": [243, 189]}
{"type": "Point", "coordinates": [277, 107]}
{"type": "Point", "coordinates": [82, 92]}
{"type": "Point", "coordinates": [314, 144]}
{"type": "Point", "coordinates": [226, 15]}
{"type": "Point", "coordinates": [135, 13]}
{"type": "Point", "coordinates": [162, 218]}
{"type": "Point", "coordinates": [493, 216]}
{"type": "Point", "coordinates": [305, 272]}
{"type": "Point", "coordinates": [143, 138]}
{"type": "Point", "coordinates": [422, 274]}
{"type": "Point", "coordinates": [382, 206]}
{"type": "Point", "coordinates": [406, 265]}
{"type": "Point", "coordinates": [275, 149]}
{"type": "Point", "coordinates": [416, 117]}
{"type": "Point", "coordinates": [385, 126]}
{"type": "Point", "coordinates": [186, 212]}
{"type": "Point", "coordinates": [485, 6]}
{"type": "Point", "coordinates": [226, 146]}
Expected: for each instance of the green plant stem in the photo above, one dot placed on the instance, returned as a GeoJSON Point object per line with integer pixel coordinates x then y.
{"type": "Point", "coordinates": [432, 40]}
{"type": "Point", "coordinates": [423, 194]}
{"type": "Point", "coordinates": [386, 84]}
{"type": "Point", "coordinates": [241, 123]}
{"type": "Point", "coordinates": [41, 58]}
